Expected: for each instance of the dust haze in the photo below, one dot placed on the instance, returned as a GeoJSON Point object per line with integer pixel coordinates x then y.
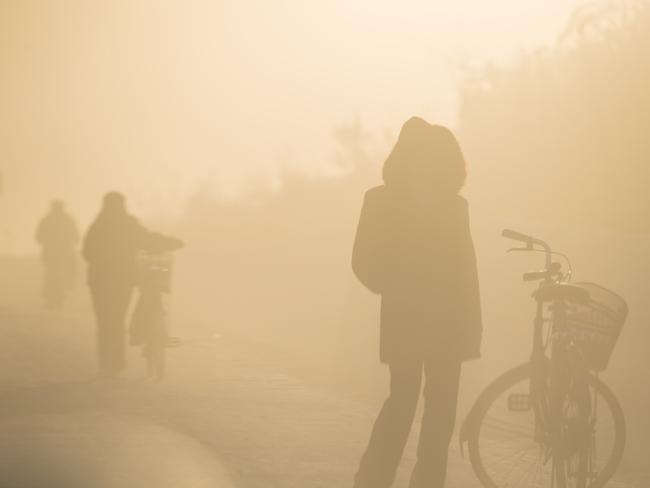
{"type": "Point", "coordinates": [244, 135]}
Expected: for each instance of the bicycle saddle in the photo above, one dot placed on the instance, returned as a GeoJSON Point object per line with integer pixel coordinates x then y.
{"type": "Point", "coordinates": [562, 292]}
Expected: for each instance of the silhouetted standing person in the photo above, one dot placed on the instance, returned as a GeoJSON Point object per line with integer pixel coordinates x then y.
{"type": "Point", "coordinates": [111, 248]}
{"type": "Point", "coordinates": [413, 246]}
{"type": "Point", "coordinates": [58, 236]}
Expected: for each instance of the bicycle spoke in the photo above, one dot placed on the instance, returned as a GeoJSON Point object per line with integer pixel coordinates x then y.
{"type": "Point", "coordinates": [514, 465]}
{"type": "Point", "coordinates": [516, 451]}
{"type": "Point", "coordinates": [509, 456]}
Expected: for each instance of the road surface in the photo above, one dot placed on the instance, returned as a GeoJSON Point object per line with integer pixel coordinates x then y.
{"type": "Point", "coordinates": [230, 414]}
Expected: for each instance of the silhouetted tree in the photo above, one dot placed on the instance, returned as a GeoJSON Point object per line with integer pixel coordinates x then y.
{"type": "Point", "coordinates": [564, 132]}
{"type": "Point", "coordinates": [275, 264]}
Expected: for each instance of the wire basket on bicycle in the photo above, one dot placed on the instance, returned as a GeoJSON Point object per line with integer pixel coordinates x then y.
{"type": "Point", "coordinates": [595, 326]}
{"type": "Point", "coordinates": [154, 270]}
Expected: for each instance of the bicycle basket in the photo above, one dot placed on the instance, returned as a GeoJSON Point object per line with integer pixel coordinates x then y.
{"type": "Point", "coordinates": [154, 271]}
{"type": "Point", "coordinates": [595, 326]}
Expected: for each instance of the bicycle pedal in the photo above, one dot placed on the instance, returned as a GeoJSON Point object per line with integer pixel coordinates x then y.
{"type": "Point", "coordinates": [519, 402]}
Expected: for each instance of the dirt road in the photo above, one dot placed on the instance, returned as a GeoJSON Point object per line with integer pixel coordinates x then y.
{"type": "Point", "coordinates": [230, 414]}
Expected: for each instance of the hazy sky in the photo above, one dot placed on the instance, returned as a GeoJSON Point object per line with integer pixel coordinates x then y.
{"type": "Point", "coordinates": [153, 96]}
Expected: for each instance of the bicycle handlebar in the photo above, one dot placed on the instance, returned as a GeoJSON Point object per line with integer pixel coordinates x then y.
{"type": "Point", "coordinates": [530, 241]}
{"type": "Point", "coordinates": [517, 236]}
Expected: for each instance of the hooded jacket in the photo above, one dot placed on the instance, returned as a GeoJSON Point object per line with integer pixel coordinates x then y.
{"type": "Point", "coordinates": [418, 254]}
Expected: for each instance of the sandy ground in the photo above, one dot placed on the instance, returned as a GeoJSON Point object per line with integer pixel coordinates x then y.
{"type": "Point", "coordinates": [230, 414]}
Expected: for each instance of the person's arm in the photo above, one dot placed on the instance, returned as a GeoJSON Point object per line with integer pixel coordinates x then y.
{"type": "Point", "coordinates": [155, 242]}
{"type": "Point", "coordinates": [89, 244]}
{"type": "Point", "coordinates": [161, 243]}
{"type": "Point", "coordinates": [473, 319]}
{"type": "Point", "coordinates": [40, 232]}
{"type": "Point", "coordinates": [368, 259]}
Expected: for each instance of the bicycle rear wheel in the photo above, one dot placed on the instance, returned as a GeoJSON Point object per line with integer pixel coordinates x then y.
{"type": "Point", "coordinates": [155, 356]}
{"type": "Point", "coordinates": [509, 446]}
{"type": "Point", "coordinates": [155, 348]}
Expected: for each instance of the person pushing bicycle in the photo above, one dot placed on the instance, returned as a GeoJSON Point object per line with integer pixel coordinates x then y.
{"type": "Point", "coordinates": [111, 248]}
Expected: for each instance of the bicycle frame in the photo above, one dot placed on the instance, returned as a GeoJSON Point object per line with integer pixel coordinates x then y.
{"type": "Point", "coordinates": [553, 375]}
{"type": "Point", "coordinates": [550, 398]}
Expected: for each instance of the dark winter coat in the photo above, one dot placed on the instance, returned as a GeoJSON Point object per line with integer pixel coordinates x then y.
{"type": "Point", "coordinates": [111, 248]}
{"type": "Point", "coordinates": [420, 257]}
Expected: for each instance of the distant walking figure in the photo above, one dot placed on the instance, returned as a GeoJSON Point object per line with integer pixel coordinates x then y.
{"type": "Point", "coordinates": [413, 246]}
{"type": "Point", "coordinates": [58, 236]}
{"type": "Point", "coordinates": [111, 248]}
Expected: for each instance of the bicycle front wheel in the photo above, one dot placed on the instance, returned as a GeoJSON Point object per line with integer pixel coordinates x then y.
{"type": "Point", "coordinates": [509, 445]}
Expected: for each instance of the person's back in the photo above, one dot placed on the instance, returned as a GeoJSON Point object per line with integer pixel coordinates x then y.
{"type": "Point", "coordinates": [57, 232]}
{"type": "Point", "coordinates": [58, 236]}
{"type": "Point", "coordinates": [413, 247]}
{"type": "Point", "coordinates": [110, 248]}
{"type": "Point", "coordinates": [113, 241]}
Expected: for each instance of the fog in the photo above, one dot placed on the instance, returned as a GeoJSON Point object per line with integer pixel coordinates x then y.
{"type": "Point", "coordinates": [164, 99]}
{"type": "Point", "coordinates": [251, 131]}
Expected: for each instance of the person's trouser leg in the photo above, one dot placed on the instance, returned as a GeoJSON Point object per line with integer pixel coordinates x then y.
{"type": "Point", "coordinates": [442, 377]}
{"type": "Point", "coordinates": [391, 430]}
{"type": "Point", "coordinates": [100, 307]}
{"type": "Point", "coordinates": [111, 306]}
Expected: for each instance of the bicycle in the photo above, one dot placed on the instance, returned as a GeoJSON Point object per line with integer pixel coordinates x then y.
{"type": "Point", "coordinates": [149, 323]}
{"type": "Point", "coordinates": [552, 421]}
